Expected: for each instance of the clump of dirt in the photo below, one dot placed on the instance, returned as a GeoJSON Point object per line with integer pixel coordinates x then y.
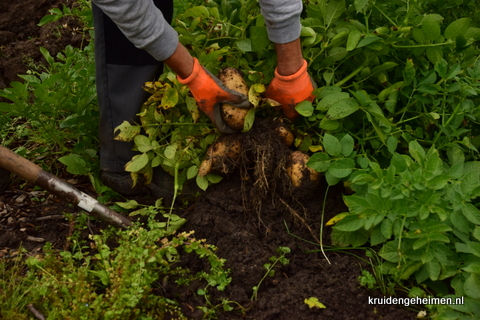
{"type": "Point", "coordinates": [262, 163]}
{"type": "Point", "coordinates": [262, 160]}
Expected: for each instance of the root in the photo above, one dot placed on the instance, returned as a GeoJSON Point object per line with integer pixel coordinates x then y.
{"type": "Point", "coordinates": [299, 219]}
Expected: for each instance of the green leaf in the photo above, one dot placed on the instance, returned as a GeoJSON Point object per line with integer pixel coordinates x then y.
{"type": "Point", "coordinates": [471, 213]}
{"type": "Point", "coordinates": [137, 163]}
{"type": "Point", "coordinates": [360, 5]}
{"type": "Point", "coordinates": [472, 286]}
{"type": "Point", "coordinates": [214, 178]}
{"type": "Point", "coordinates": [332, 145]}
{"type": "Point", "coordinates": [47, 56]}
{"type": "Point", "coordinates": [129, 205]}
{"type": "Point", "coordinates": [259, 38]}
{"type": "Point", "coordinates": [341, 168]}
{"type": "Point", "coordinates": [438, 182]}
{"type": "Point", "coordinates": [323, 92]}
{"type": "Point", "coordinates": [319, 162]}
{"type": "Point", "coordinates": [429, 88]}
{"type": "Point", "coordinates": [198, 11]}
{"type": "Point", "coordinates": [369, 38]}
{"type": "Point", "coordinates": [249, 120]}
{"type": "Point", "coordinates": [329, 125]}
{"type": "Point", "coordinates": [476, 233]}
{"type": "Point", "coordinates": [453, 71]}
{"type": "Point", "coordinates": [337, 53]}
{"type": "Point", "coordinates": [143, 143]}
{"type": "Point", "coordinates": [390, 251]}
{"type": "Point", "coordinates": [348, 145]}
{"type": "Point", "coordinates": [331, 180]}
{"type": "Point", "coordinates": [244, 45]}
{"type": "Point", "coordinates": [170, 151]}
{"type": "Point", "coordinates": [356, 239]}
{"type": "Point", "coordinates": [305, 108]}
{"type": "Point", "coordinates": [383, 67]}
{"type": "Point", "coordinates": [75, 164]}
{"type": "Point", "coordinates": [170, 97]}
{"type": "Point", "coordinates": [416, 151]}
{"type": "Point", "coordinates": [433, 269]}
{"type": "Point", "coordinates": [386, 228]}
{"type": "Point", "coordinates": [419, 35]}
{"type": "Point", "coordinates": [192, 172]}
{"type": "Point", "coordinates": [441, 68]}
{"type": "Point", "coordinates": [127, 131]}
{"type": "Point", "coordinates": [48, 19]}
{"type": "Point", "coordinates": [331, 99]}
{"type": "Point", "coordinates": [342, 109]}
{"type": "Point", "coordinates": [398, 162]}
{"type": "Point", "coordinates": [431, 26]}
{"type": "Point", "coordinates": [350, 223]}
{"type": "Point", "coordinates": [334, 10]}
{"type": "Point", "coordinates": [202, 182]}
{"type": "Point", "coordinates": [472, 33]}
{"type": "Point", "coordinates": [353, 39]}
{"type": "Point", "coordinates": [456, 28]}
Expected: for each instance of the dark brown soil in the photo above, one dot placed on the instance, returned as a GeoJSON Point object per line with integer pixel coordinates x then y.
{"type": "Point", "coordinates": [246, 235]}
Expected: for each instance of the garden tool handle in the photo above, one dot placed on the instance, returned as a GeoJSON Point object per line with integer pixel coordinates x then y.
{"type": "Point", "coordinates": [47, 181]}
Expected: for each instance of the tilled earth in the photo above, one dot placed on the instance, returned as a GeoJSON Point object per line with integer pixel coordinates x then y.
{"type": "Point", "coordinates": [245, 236]}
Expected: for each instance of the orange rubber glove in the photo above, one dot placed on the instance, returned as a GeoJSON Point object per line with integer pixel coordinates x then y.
{"type": "Point", "coordinates": [210, 93]}
{"type": "Point", "coordinates": [291, 90]}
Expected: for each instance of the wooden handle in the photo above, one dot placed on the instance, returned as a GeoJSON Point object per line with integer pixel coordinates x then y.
{"type": "Point", "coordinates": [31, 172]}
{"type": "Point", "coordinates": [19, 165]}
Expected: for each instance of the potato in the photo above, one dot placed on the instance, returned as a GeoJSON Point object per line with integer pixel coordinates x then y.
{"type": "Point", "coordinates": [233, 79]}
{"type": "Point", "coordinates": [226, 148]}
{"type": "Point", "coordinates": [298, 170]}
{"type": "Point", "coordinates": [286, 136]}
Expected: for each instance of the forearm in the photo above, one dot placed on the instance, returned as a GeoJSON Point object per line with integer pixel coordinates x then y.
{"type": "Point", "coordinates": [181, 62]}
{"type": "Point", "coordinates": [289, 57]}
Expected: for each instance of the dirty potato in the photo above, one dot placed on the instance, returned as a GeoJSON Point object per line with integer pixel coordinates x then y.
{"type": "Point", "coordinates": [298, 171]}
{"type": "Point", "coordinates": [285, 134]}
{"type": "Point", "coordinates": [225, 149]}
{"type": "Point", "coordinates": [233, 79]}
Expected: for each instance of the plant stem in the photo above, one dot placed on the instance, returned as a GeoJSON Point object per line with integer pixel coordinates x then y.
{"type": "Point", "coordinates": [386, 16]}
{"type": "Point", "coordinates": [321, 224]}
{"type": "Point", "coordinates": [350, 76]}
{"type": "Point", "coordinates": [400, 238]}
{"type": "Point", "coordinates": [424, 45]}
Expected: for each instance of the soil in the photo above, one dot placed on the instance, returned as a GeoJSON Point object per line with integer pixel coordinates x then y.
{"type": "Point", "coordinates": [245, 220]}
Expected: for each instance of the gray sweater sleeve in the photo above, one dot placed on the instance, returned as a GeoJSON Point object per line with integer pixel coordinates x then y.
{"type": "Point", "coordinates": [143, 24]}
{"type": "Point", "coordinates": [282, 18]}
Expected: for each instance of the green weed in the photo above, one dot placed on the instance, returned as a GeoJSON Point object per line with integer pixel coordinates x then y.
{"type": "Point", "coordinates": [274, 260]}
{"type": "Point", "coordinates": [115, 277]}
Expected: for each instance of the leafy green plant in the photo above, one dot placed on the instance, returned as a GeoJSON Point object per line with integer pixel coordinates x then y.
{"type": "Point", "coordinates": [116, 276]}
{"type": "Point", "coordinates": [56, 102]}
{"type": "Point", "coordinates": [367, 280]}
{"type": "Point", "coordinates": [282, 251]}
{"type": "Point", "coordinates": [81, 10]}
{"type": "Point", "coordinates": [424, 214]}
{"type": "Point", "coordinates": [15, 286]}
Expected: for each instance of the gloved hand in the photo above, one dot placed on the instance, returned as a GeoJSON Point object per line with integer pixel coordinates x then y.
{"type": "Point", "coordinates": [210, 93]}
{"type": "Point", "coordinates": [291, 90]}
